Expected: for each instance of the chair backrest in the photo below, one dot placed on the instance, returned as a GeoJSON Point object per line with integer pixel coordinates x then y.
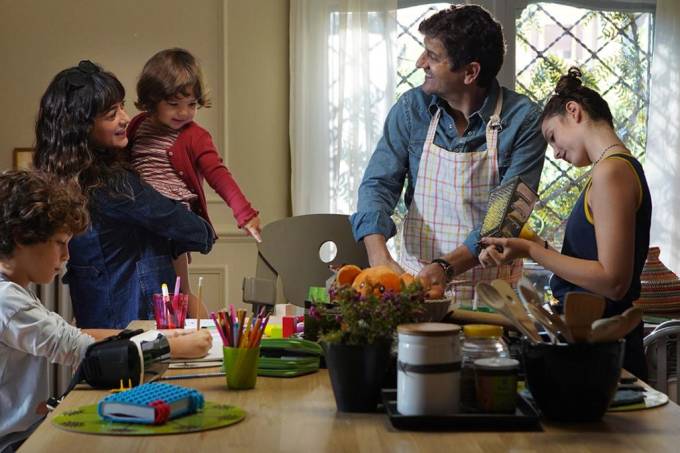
{"type": "Point", "coordinates": [662, 348]}
{"type": "Point", "coordinates": [290, 250]}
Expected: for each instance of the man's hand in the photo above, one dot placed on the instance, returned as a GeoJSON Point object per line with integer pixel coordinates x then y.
{"type": "Point", "coordinates": [378, 255]}
{"type": "Point", "coordinates": [433, 279]}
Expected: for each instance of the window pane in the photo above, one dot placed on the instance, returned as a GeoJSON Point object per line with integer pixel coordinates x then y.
{"type": "Point", "coordinates": [613, 49]}
{"type": "Point", "coordinates": [410, 44]}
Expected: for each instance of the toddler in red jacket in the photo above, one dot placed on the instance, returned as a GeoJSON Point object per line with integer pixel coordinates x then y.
{"type": "Point", "coordinates": [174, 154]}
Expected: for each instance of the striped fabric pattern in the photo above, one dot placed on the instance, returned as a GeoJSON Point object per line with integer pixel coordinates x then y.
{"type": "Point", "coordinates": [660, 286]}
{"type": "Point", "coordinates": [149, 154]}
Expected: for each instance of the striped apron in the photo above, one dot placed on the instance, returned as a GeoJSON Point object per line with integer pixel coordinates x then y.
{"type": "Point", "coordinates": [449, 201]}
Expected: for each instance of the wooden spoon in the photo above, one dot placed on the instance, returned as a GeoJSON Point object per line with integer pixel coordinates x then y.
{"type": "Point", "coordinates": [513, 311]}
{"type": "Point", "coordinates": [505, 290]}
{"type": "Point", "coordinates": [528, 293]}
{"type": "Point", "coordinates": [634, 317]}
{"type": "Point", "coordinates": [539, 315]}
{"type": "Point", "coordinates": [530, 297]}
{"type": "Point", "coordinates": [616, 327]}
{"type": "Point", "coordinates": [580, 311]}
{"type": "Point", "coordinates": [608, 329]}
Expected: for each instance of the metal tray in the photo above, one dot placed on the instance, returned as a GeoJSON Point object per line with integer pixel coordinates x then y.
{"type": "Point", "coordinates": [525, 418]}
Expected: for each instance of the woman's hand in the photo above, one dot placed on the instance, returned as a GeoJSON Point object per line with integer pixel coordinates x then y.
{"type": "Point", "coordinates": [510, 249]}
{"type": "Point", "coordinates": [253, 228]}
{"type": "Point", "coordinates": [433, 279]}
{"type": "Point", "coordinates": [191, 345]}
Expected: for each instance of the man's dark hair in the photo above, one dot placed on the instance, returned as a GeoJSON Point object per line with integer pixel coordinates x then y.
{"type": "Point", "coordinates": [469, 33]}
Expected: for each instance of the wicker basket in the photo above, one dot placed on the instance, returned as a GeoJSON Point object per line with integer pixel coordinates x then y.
{"type": "Point", "coordinates": [660, 287]}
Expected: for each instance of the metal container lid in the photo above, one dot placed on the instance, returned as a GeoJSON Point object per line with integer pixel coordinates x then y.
{"type": "Point", "coordinates": [496, 363]}
{"type": "Point", "coordinates": [429, 329]}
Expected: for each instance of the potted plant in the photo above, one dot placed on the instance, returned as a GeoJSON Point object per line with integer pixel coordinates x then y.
{"type": "Point", "coordinates": [357, 345]}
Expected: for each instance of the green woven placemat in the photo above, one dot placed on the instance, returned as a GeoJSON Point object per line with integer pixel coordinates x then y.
{"type": "Point", "coordinates": [86, 420]}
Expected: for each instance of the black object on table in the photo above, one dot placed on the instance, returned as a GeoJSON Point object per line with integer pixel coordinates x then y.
{"type": "Point", "coordinates": [525, 418]}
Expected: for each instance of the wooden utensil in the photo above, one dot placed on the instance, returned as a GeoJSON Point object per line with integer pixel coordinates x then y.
{"type": "Point", "coordinates": [528, 294]}
{"type": "Point", "coordinates": [549, 327]}
{"type": "Point", "coordinates": [580, 311]}
{"type": "Point", "coordinates": [608, 329]}
{"type": "Point", "coordinates": [505, 290]}
{"type": "Point", "coordinates": [460, 316]}
{"type": "Point", "coordinates": [616, 327]}
{"type": "Point", "coordinates": [520, 312]}
{"type": "Point", "coordinates": [513, 311]}
{"type": "Point", "coordinates": [634, 317]}
{"type": "Point", "coordinates": [530, 297]}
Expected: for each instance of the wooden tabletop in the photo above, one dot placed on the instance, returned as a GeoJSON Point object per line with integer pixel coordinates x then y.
{"type": "Point", "coordinates": [298, 415]}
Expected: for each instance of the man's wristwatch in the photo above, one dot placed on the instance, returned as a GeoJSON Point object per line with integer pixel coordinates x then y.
{"type": "Point", "coordinates": [446, 267]}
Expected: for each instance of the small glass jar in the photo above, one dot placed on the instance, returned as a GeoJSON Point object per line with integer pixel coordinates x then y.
{"type": "Point", "coordinates": [481, 341]}
{"type": "Point", "coordinates": [496, 385]}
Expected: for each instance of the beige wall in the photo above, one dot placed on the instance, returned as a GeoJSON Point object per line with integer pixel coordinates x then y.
{"type": "Point", "coordinates": [243, 48]}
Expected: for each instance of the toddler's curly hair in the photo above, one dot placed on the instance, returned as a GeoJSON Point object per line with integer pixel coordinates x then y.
{"type": "Point", "coordinates": [35, 205]}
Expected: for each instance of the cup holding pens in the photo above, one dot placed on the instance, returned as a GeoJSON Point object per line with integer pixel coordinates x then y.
{"type": "Point", "coordinates": [170, 312]}
{"type": "Point", "coordinates": [240, 367]}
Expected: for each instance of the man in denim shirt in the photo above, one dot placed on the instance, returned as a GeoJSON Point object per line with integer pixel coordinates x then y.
{"type": "Point", "coordinates": [453, 139]}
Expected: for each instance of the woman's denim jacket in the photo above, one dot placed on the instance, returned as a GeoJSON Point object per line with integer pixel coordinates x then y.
{"type": "Point", "coordinates": [127, 252]}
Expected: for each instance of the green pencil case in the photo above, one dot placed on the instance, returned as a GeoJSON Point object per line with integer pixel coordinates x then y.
{"type": "Point", "coordinates": [288, 357]}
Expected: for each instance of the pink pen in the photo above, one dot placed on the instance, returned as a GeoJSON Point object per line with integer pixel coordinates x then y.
{"type": "Point", "coordinates": [219, 329]}
{"type": "Point", "coordinates": [175, 298]}
{"type": "Point", "coordinates": [168, 306]}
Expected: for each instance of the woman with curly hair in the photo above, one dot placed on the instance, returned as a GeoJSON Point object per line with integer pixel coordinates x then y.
{"type": "Point", "coordinates": [607, 234]}
{"type": "Point", "coordinates": [123, 258]}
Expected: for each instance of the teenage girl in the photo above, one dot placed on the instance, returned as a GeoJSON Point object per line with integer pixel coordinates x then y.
{"type": "Point", "coordinates": [607, 234]}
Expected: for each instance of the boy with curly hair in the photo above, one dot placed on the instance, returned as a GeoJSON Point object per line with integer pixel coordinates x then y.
{"type": "Point", "coordinates": [38, 217]}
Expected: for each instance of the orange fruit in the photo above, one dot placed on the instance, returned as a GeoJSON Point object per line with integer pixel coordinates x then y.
{"type": "Point", "coordinates": [527, 232]}
{"type": "Point", "coordinates": [435, 292]}
{"type": "Point", "coordinates": [379, 279]}
{"type": "Point", "coordinates": [407, 278]}
{"type": "Point", "coordinates": [346, 274]}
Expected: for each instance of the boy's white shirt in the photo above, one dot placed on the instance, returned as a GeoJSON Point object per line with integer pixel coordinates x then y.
{"type": "Point", "coordinates": [31, 337]}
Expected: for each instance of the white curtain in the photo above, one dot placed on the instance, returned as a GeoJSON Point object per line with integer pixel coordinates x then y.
{"type": "Point", "coordinates": [342, 64]}
{"type": "Point", "coordinates": [662, 164]}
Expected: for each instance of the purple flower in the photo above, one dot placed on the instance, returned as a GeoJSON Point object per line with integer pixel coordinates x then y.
{"type": "Point", "coordinates": [314, 313]}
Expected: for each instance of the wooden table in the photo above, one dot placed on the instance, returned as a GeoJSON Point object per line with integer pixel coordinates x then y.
{"type": "Point", "coordinates": [298, 415]}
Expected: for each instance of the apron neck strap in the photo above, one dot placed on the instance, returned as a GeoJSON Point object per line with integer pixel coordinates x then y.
{"type": "Point", "coordinates": [494, 125]}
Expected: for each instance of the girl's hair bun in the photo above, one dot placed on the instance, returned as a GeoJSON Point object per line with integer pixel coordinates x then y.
{"type": "Point", "coordinates": [570, 82]}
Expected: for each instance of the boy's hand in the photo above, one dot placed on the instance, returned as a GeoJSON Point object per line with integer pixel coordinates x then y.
{"type": "Point", "coordinates": [191, 345]}
{"type": "Point", "coordinates": [253, 228]}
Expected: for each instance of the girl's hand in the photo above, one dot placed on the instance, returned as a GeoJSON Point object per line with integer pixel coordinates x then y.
{"type": "Point", "coordinates": [433, 279]}
{"type": "Point", "coordinates": [190, 345]}
{"type": "Point", "coordinates": [511, 249]}
{"type": "Point", "coordinates": [253, 228]}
